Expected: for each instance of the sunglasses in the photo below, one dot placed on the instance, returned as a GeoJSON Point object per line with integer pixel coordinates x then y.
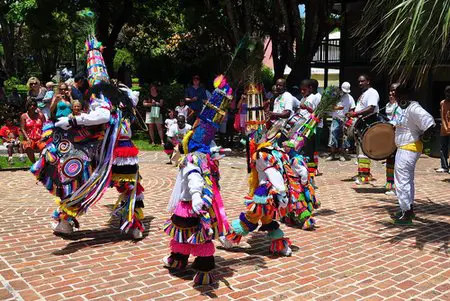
{"type": "Point", "coordinates": [33, 84]}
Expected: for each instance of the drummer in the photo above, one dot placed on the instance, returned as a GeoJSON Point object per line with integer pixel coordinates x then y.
{"type": "Point", "coordinates": [366, 104]}
{"type": "Point", "coordinates": [337, 142]}
{"type": "Point", "coordinates": [308, 104]}
{"type": "Point", "coordinates": [283, 105]}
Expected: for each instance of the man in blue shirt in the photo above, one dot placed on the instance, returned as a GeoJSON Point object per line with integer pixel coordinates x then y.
{"type": "Point", "coordinates": [195, 96]}
{"type": "Point", "coordinates": [77, 87]}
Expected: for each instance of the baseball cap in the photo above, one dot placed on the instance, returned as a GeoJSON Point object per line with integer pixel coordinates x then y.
{"type": "Point", "coordinates": [345, 87]}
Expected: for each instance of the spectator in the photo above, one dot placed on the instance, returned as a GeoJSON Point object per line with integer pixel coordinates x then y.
{"type": "Point", "coordinates": [66, 73]}
{"type": "Point", "coordinates": [336, 142]}
{"type": "Point", "coordinates": [48, 99]}
{"type": "Point", "coordinates": [182, 109]}
{"type": "Point", "coordinates": [77, 108]}
{"type": "Point", "coordinates": [10, 136]}
{"type": "Point", "coordinates": [169, 121]}
{"type": "Point", "coordinates": [36, 92]}
{"type": "Point", "coordinates": [15, 100]}
{"type": "Point", "coordinates": [77, 87]}
{"type": "Point", "coordinates": [154, 104]}
{"type": "Point", "coordinates": [175, 135]}
{"type": "Point", "coordinates": [124, 74]}
{"type": "Point", "coordinates": [31, 126]}
{"type": "Point", "coordinates": [195, 96]}
{"type": "Point", "coordinates": [445, 130]}
{"type": "Point", "coordinates": [62, 102]}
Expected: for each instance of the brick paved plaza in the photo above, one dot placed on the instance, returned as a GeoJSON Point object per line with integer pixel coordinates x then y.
{"type": "Point", "coordinates": [355, 254]}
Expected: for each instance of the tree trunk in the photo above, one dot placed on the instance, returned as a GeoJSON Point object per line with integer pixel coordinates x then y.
{"type": "Point", "coordinates": [108, 38]}
{"type": "Point", "coordinates": [8, 41]}
{"type": "Point", "coordinates": [300, 70]}
{"type": "Point", "coordinates": [316, 28]}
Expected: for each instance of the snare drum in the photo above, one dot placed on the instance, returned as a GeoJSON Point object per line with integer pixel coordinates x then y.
{"type": "Point", "coordinates": [276, 127]}
{"type": "Point", "coordinates": [293, 124]}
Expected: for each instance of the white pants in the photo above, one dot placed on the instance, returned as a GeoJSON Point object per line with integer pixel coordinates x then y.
{"type": "Point", "coordinates": [405, 165]}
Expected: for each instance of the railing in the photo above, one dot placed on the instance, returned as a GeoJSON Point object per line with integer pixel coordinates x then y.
{"type": "Point", "coordinates": [328, 52]}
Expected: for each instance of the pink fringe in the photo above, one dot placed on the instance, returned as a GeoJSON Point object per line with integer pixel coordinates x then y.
{"type": "Point", "coordinates": [184, 209]}
{"type": "Point", "coordinates": [177, 247]}
{"type": "Point", "coordinates": [203, 250]}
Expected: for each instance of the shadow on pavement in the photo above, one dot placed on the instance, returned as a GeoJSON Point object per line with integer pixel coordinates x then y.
{"type": "Point", "coordinates": [422, 230]}
{"type": "Point", "coordinates": [93, 238]}
{"type": "Point", "coordinates": [369, 189]}
{"type": "Point", "coordinates": [225, 268]}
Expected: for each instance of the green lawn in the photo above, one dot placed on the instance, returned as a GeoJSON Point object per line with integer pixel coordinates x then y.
{"type": "Point", "coordinates": [144, 145]}
{"type": "Point", "coordinates": [17, 163]}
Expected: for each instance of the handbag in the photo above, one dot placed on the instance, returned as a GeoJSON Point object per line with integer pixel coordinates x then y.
{"type": "Point", "coordinates": [155, 111]}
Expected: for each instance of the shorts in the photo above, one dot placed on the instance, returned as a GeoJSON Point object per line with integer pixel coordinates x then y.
{"type": "Point", "coordinates": [33, 144]}
{"type": "Point", "coordinates": [149, 119]}
{"type": "Point", "coordinates": [14, 144]}
{"type": "Point", "coordinates": [336, 139]}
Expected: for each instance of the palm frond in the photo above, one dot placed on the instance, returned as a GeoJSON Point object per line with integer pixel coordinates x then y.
{"type": "Point", "coordinates": [415, 35]}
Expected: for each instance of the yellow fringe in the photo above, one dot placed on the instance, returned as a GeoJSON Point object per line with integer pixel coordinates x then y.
{"type": "Point", "coordinates": [186, 139]}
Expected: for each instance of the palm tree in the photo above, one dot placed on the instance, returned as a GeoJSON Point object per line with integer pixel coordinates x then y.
{"type": "Point", "coordinates": [414, 35]}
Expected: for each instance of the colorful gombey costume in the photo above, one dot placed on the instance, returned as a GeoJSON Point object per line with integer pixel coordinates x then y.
{"type": "Point", "coordinates": [125, 175]}
{"type": "Point", "coordinates": [271, 183]}
{"type": "Point", "coordinates": [301, 209]}
{"type": "Point", "coordinates": [198, 215]}
{"type": "Point", "coordinates": [79, 160]}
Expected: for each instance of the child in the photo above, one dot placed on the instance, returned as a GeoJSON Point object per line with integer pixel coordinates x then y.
{"type": "Point", "coordinates": [182, 109]}
{"type": "Point", "coordinates": [76, 108]}
{"type": "Point", "coordinates": [169, 121]}
{"type": "Point", "coordinates": [175, 135]}
{"type": "Point", "coordinates": [47, 100]}
{"type": "Point", "coordinates": [10, 136]}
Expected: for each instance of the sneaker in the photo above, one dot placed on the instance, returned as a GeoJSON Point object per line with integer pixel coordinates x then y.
{"type": "Point", "coordinates": [137, 234]}
{"type": "Point", "coordinates": [390, 192]}
{"type": "Point", "coordinates": [329, 158]}
{"type": "Point", "coordinates": [342, 159]}
{"type": "Point", "coordinates": [356, 162]}
{"type": "Point", "coordinates": [166, 263]}
{"type": "Point", "coordinates": [441, 170]}
{"type": "Point", "coordinates": [405, 218]}
{"type": "Point", "coordinates": [22, 158]}
{"type": "Point", "coordinates": [225, 242]}
{"type": "Point", "coordinates": [63, 227]}
{"type": "Point", "coordinates": [358, 181]}
{"type": "Point", "coordinates": [10, 160]}
{"type": "Point", "coordinates": [286, 252]}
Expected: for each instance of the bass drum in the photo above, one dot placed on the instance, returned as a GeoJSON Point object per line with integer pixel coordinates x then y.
{"type": "Point", "coordinates": [378, 141]}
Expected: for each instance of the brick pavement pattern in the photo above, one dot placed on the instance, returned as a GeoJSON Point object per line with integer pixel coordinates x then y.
{"type": "Point", "coordinates": [356, 253]}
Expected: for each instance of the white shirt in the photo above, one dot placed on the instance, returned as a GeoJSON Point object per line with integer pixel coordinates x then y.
{"type": "Point", "coordinates": [310, 101]}
{"type": "Point", "coordinates": [347, 102]}
{"type": "Point", "coordinates": [318, 99]}
{"type": "Point", "coordinates": [168, 122]}
{"type": "Point", "coordinates": [370, 97]}
{"type": "Point", "coordinates": [175, 132]}
{"type": "Point", "coordinates": [412, 123]}
{"type": "Point", "coordinates": [269, 174]}
{"type": "Point", "coordinates": [284, 102]}
{"type": "Point", "coordinates": [182, 110]}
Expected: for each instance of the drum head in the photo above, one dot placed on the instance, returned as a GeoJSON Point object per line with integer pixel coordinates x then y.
{"type": "Point", "coordinates": [275, 129]}
{"type": "Point", "coordinates": [378, 141]}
